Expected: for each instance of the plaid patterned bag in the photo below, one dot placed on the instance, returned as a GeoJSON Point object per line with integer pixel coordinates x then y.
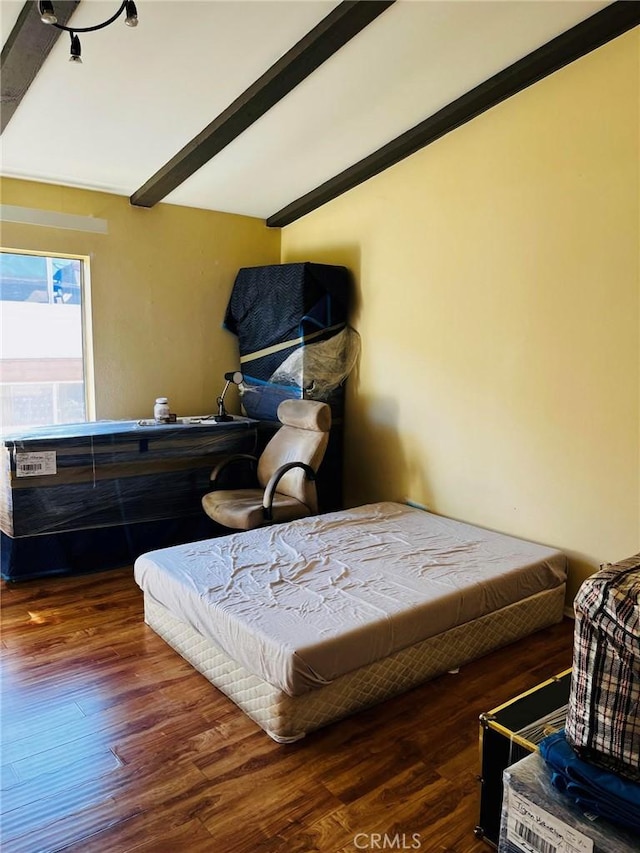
{"type": "Point", "coordinates": [603, 720]}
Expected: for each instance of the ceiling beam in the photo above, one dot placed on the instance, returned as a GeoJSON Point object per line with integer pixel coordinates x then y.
{"type": "Point", "coordinates": [586, 36]}
{"type": "Point", "coordinates": [334, 31]}
{"type": "Point", "coordinates": [24, 52]}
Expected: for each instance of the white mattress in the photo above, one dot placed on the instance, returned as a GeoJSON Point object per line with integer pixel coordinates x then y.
{"type": "Point", "coordinates": [302, 603]}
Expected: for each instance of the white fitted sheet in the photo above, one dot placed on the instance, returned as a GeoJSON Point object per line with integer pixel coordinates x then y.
{"type": "Point", "coordinates": [302, 603]}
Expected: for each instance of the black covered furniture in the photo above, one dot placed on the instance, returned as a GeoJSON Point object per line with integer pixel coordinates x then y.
{"type": "Point", "coordinates": [91, 496]}
{"type": "Point", "coordinates": [295, 343]}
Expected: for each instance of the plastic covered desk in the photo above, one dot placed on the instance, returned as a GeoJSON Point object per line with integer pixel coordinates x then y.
{"type": "Point", "coordinates": [90, 496]}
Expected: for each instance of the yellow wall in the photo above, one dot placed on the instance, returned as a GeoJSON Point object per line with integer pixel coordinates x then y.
{"type": "Point", "coordinates": [160, 282]}
{"type": "Point", "coordinates": [497, 299]}
{"type": "Point", "coordinates": [498, 304]}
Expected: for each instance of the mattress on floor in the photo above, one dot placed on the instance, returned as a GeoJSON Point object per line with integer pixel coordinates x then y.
{"type": "Point", "coordinates": [301, 604]}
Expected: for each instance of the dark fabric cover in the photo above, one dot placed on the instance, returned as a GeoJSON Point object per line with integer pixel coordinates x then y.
{"type": "Point", "coordinates": [271, 305]}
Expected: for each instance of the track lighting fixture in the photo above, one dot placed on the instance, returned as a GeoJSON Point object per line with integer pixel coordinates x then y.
{"type": "Point", "coordinates": [131, 19]}
{"type": "Point", "coordinates": [48, 16]}
{"type": "Point", "coordinates": [76, 49]}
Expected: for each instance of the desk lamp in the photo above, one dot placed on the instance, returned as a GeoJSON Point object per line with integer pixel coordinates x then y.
{"type": "Point", "coordinates": [235, 377]}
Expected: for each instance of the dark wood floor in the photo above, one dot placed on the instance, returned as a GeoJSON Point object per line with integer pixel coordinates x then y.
{"type": "Point", "coordinates": [112, 743]}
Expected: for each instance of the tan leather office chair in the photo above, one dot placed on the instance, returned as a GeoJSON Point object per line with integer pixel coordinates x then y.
{"type": "Point", "coordinates": [286, 472]}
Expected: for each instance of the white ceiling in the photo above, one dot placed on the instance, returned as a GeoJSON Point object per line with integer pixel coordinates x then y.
{"type": "Point", "coordinates": [141, 94]}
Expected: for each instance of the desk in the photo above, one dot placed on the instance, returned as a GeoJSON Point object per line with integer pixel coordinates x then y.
{"type": "Point", "coordinates": [89, 496]}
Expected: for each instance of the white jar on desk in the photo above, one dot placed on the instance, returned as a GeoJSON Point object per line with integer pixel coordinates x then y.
{"type": "Point", "coordinates": [161, 410]}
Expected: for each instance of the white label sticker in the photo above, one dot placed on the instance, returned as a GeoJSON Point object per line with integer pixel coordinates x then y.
{"type": "Point", "coordinates": [533, 830]}
{"type": "Point", "coordinates": [36, 464]}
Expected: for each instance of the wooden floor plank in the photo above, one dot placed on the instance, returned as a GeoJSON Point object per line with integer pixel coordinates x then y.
{"type": "Point", "coordinates": [73, 828]}
{"type": "Point", "coordinates": [112, 742]}
{"type": "Point", "coordinates": [141, 835]}
{"type": "Point", "coordinates": [38, 816]}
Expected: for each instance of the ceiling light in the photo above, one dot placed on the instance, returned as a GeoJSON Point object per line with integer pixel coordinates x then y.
{"type": "Point", "coordinates": [132, 14]}
{"type": "Point", "coordinates": [48, 16]}
{"type": "Point", "coordinates": [76, 50]}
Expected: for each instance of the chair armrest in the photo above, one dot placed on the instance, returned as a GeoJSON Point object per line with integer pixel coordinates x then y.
{"type": "Point", "coordinates": [270, 489]}
{"type": "Point", "coordinates": [231, 460]}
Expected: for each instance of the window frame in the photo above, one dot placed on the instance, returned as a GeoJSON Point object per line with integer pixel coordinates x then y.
{"type": "Point", "coordinates": [85, 314]}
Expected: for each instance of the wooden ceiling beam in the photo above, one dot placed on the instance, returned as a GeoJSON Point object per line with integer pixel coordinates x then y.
{"type": "Point", "coordinates": [334, 31]}
{"type": "Point", "coordinates": [25, 51]}
{"type": "Point", "coordinates": [581, 39]}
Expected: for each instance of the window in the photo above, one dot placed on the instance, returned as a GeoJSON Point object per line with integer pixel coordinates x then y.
{"type": "Point", "coordinates": [42, 365]}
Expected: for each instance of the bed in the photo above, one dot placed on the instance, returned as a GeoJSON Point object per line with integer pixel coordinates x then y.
{"type": "Point", "coordinates": [303, 623]}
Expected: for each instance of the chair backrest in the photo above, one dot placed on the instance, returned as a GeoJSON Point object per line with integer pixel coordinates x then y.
{"type": "Point", "coordinates": [303, 437]}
